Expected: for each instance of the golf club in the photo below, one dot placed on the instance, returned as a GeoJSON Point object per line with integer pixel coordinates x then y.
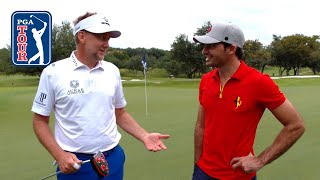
{"type": "Point", "coordinates": [36, 18]}
{"type": "Point", "coordinates": [76, 166]}
{"type": "Point", "coordinates": [98, 161]}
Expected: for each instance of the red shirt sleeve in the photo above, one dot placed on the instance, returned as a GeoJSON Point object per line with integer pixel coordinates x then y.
{"type": "Point", "coordinates": [269, 94]}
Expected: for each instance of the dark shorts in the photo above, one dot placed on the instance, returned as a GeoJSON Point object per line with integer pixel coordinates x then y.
{"type": "Point", "coordinates": [115, 159]}
{"type": "Point", "coordinates": [198, 174]}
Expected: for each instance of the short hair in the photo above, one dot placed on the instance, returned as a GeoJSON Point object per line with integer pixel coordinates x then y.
{"type": "Point", "coordinates": [239, 51]}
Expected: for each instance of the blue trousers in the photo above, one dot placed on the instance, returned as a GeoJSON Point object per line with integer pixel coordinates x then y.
{"type": "Point", "coordinates": [115, 159]}
{"type": "Point", "coordinates": [199, 174]}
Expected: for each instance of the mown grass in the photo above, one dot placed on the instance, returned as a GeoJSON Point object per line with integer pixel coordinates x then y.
{"type": "Point", "coordinates": [172, 109]}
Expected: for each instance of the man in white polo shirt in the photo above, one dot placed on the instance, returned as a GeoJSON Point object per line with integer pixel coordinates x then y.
{"type": "Point", "coordinates": [86, 96]}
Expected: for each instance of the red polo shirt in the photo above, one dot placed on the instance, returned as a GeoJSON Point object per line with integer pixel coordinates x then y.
{"type": "Point", "coordinates": [232, 114]}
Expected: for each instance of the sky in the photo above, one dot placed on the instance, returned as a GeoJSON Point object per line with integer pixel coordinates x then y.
{"type": "Point", "coordinates": [156, 24]}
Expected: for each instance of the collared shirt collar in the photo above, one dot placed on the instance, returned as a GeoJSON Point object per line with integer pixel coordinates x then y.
{"type": "Point", "coordinates": [77, 64]}
{"type": "Point", "coordinates": [239, 74]}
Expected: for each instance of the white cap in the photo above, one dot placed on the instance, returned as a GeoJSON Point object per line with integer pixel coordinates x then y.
{"type": "Point", "coordinates": [96, 24]}
{"type": "Point", "coordinates": [222, 32]}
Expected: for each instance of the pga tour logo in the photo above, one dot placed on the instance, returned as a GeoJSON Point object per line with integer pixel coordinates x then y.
{"type": "Point", "coordinates": [31, 38]}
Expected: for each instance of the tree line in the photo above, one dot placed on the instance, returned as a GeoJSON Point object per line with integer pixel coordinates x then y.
{"type": "Point", "coordinates": [184, 59]}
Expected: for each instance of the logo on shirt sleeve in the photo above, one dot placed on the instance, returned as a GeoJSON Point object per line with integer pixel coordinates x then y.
{"type": "Point", "coordinates": [41, 98]}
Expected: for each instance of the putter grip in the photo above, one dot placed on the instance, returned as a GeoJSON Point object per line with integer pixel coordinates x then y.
{"type": "Point", "coordinates": [76, 166]}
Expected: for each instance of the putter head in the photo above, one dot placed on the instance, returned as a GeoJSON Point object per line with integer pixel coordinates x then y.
{"type": "Point", "coordinates": [100, 164]}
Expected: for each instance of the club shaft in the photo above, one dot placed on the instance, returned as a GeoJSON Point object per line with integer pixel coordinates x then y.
{"type": "Point", "coordinates": [56, 173]}
{"type": "Point", "coordinates": [37, 18]}
{"type": "Point", "coordinates": [53, 174]}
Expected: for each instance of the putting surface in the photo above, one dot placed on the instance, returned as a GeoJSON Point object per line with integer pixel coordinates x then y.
{"type": "Point", "coordinates": [172, 109]}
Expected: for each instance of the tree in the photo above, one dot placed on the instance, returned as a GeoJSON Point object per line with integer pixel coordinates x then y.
{"type": "Point", "coordinates": [63, 42]}
{"type": "Point", "coordinates": [118, 57]}
{"type": "Point", "coordinates": [157, 53]}
{"type": "Point", "coordinates": [189, 54]}
{"type": "Point", "coordinates": [206, 27]}
{"type": "Point", "coordinates": [135, 63]}
{"type": "Point", "coordinates": [293, 52]}
{"type": "Point", "coordinates": [278, 54]}
{"type": "Point", "coordinates": [133, 52]}
{"type": "Point", "coordinates": [297, 50]}
{"type": "Point", "coordinates": [199, 57]}
{"type": "Point", "coordinates": [314, 62]}
{"type": "Point", "coordinates": [256, 55]}
{"type": "Point", "coordinates": [184, 52]}
{"type": "Point", "coordinates": [170, 65]}
{"type": "Point", "coordinates": [6, 66]}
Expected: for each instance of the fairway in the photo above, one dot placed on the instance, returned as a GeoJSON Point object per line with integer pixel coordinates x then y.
{"type": "Point", "coordinates": [172, 109]}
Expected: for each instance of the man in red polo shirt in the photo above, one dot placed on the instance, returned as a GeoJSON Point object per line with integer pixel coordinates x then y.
{"type": "Point", "coordinates": [233, 98]}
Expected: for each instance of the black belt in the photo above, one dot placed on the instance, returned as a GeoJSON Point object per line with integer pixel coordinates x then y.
{"type": "Point", "coordinates": [88, 155]}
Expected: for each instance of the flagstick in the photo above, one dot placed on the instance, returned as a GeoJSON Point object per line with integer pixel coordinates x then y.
{"type": "Point", "coordinates": [144, 64]}
{"type": "Point", "coordinates": [145, 90]}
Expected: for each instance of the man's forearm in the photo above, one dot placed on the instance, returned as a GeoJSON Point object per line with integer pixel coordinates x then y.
{"type": "Point", "coordinates": [128, 124]}
{"type": "Point", "coordinates": [198, 141]}
{"type": "Point", "coordinates": [198, 134]}
{"type": "Point", "coordinates": [286, 138]}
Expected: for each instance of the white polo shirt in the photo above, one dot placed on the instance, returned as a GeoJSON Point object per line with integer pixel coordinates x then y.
{"type": "Point", "coordinates": [84, 103]}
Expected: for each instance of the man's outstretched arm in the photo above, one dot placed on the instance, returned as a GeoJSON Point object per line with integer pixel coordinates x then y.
{"type": "Point", "coordinates": [152, 141]}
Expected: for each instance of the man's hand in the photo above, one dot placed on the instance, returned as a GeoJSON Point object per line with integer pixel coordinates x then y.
{"type": "Point", "coordinates": [68, 163]}
{"type": "Point", "coordinates": [247, 164]}
{"type": "Point", "coordinates": [152, 141]}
